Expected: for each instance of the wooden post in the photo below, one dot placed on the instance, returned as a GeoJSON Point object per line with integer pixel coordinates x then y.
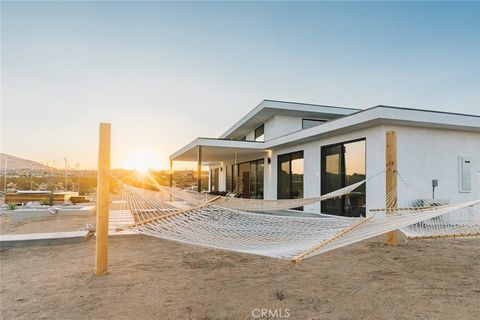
{"type": "Point", "coordinates": [199, 169]}
{"type": "Point", "coordinates": [391, 181]}
{"type": "Point", "coordinates": [103, 203]}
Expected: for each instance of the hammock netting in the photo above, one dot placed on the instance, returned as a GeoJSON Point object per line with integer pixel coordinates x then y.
{"type": "Point", "coordinates": [195, 198]}
{"type": "Point", "coordinates": [217, 223]}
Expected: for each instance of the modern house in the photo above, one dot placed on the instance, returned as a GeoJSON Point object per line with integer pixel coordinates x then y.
{"type": "Point", "coordinates": [283, 150]}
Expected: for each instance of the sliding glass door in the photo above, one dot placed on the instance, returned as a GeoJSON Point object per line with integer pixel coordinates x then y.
{"type": "Point", "coordinates": [342, 165]}
{"type": "Point", "coordinates": [248, 179]}
{"type": "Point", "coordinates": [214, 179]}
{"type": "Point", "coordinates": [228, 178]}
{"type": "Point", "coordinates": [290, 176]}
{"type": "Point", "coordinates": [256, 179]}
{"type": "Point", "coordinates": [332, 178]}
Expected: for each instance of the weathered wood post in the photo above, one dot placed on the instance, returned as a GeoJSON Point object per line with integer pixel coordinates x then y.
{"type": "Point", "coordinates": [391, 181]}
{"type": "Point", "coordinates": [103, 203]}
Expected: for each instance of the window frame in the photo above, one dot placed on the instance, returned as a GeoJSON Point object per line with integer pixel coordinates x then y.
{"type": "Point", "coordinates": [316, 120]}
{"type": "Point", "coordinates": [290, 176]}
{"type": "Point", "coordinates": [256, 137]}
{"type": "Point", "coordinates": [236, 175]}
{"type": "Point", "coordinates": [323, 165]}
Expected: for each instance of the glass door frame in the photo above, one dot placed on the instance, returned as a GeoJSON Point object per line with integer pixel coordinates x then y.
{"type": "Point", "coordinates": [236, 176]}
{"type": "Point", "coordinates": [323, 171]}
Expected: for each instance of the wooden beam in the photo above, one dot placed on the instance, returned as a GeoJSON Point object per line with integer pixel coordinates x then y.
{"type": "Point", "coordinates": [103, 203]}
{"type": "Point", "coordinates": [199, 169]}
{"type": "Point", "coordinates": [304, 254]}
{"type": "Point", "coordinates": [391, 181]}
{"type": "Point", "coordinates": [445, 236]}
{"type": "Point", "coordinates": [404, 209]}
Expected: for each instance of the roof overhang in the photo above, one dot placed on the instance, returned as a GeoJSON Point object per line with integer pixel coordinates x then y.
{"type": "Point", "coordinates": [219, 150]}
{"type": "Point", "coordinates": [222, 150]}
{"type": "Point", "coordinates": [270, 108]}
{"type": "Point", "coordinates": [381, 115]}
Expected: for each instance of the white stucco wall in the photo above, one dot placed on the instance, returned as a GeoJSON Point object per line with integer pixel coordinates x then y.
{"type": "Point", "coordinates": [426, 154]}
{"type": "Point", "coordinates": [423, 155]}
{"type": "Point", "coordinates": [281, 125]}
{"type": "Point", "coordinates": [312, 167]}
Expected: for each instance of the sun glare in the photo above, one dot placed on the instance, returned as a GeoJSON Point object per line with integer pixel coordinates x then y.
{"type": "Point", "coordinates": [141, 161]}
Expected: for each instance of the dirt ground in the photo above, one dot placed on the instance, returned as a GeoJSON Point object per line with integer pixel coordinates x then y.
{"type": "Point", "coordinates": [151, 278]}
{"type": "Point", "coordinates": [52, 223]}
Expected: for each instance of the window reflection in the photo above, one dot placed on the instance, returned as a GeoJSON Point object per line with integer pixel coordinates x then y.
{"type": "Point", "coordinates": [310, 123]}
{"type": "Point", "coordinates": [260, 133]}
{"type": "Point", "coordinates": [228, 178]}
{"type": "Point", "coordinates": [214, 175]}
{"type": "Point", "coordinates": [290, 176]}
{"type": "Point", "coordinates": [343, 165]}
{"type": "Point", "coordinates": [248, 179]}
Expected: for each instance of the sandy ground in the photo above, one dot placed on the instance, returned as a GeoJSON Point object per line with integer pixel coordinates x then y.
{"type": "Point", "coordinates": [52, 223]}
{"type": "Point", "coordinates": [151, 278]}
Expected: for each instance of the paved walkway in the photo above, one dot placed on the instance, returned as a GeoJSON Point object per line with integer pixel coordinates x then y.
{"type": "Point", "coordinates": [119, 218]}
{"type": "Point", "coordinates": [18, 240]}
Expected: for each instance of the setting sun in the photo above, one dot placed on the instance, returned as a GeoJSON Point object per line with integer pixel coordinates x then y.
{"type": "Point", "coordinates": [141, 160]}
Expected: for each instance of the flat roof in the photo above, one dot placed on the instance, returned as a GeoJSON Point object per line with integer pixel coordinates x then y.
{"type": "Point", "coordinates": [269, 108]}
{"type": "Point", "coordinates": [382, 115]}
{"type": "Point", "coordinates": [357, 120]}
{"type": "Point", "coordinates": [217, 150]}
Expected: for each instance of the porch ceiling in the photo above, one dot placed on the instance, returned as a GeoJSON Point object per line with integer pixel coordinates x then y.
{"type": "Point", "coordinates": [219, 150]}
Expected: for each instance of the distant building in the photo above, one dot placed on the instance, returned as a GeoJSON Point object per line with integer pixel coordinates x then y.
{"type": "Point", "coordinates": [24, 196]}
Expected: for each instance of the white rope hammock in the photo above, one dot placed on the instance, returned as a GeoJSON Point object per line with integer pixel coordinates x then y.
{"type": "Point", "coordinates": [456, 224]}
{"type": "Point", "coordinates": [256, 204]}
{"type": "Point", "coordinates": [284, 237]}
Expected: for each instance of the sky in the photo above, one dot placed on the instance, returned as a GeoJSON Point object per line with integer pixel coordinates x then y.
{"type": "Point", "coordinates": [165, 73]}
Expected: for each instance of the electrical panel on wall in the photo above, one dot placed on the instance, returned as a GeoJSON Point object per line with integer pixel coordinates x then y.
{"type": "Point", "coordinates": [465, 174]}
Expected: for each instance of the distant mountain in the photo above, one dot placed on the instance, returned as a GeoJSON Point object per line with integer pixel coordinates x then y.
{"type": "Point", "coordinates": [16, 163]}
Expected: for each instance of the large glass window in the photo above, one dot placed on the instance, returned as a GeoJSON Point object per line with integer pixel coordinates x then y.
{"type": "Point", "coordinates": [260, 133]}
{"type": "Point", "coordinates": [214, 179]}
{"type": "Point", "coordinates": [342, 165]}
{"type": "Point", "coordinates": [228, 179]}
{"type": "Point", "coordinates": [290, 176]}
{"type": "Point", "coordinates": [256, 179]}
{"type": "Point", "coordinates": [260, 175]}
{"type": "Point", "coordinates": [236, 181]}
{"type": "Point", "coordinates": [310, 123]}
{"type": "Point", "coordinates": [244, 179]}
{"type": "Point", "coordinates": [248, 179]}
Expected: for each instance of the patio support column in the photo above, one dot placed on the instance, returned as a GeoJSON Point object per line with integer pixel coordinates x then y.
{"type": "Point", "coordinates": [199, 169]}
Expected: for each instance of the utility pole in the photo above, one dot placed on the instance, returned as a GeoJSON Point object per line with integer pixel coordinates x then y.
{"type": "Point", "coordinates": [51, 184]}
{"type": "Point", "coordinates": [5, 180]}
{"type": "Point", "coordinates": [31, 176]}
{"type": "Point", "coordinates": [78, 178]}
{"type": "Point", "coordinates": [65, 187]}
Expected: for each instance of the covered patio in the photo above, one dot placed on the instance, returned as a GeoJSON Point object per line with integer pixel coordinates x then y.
{"type": "Point", "coordinates": [205, 151]}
